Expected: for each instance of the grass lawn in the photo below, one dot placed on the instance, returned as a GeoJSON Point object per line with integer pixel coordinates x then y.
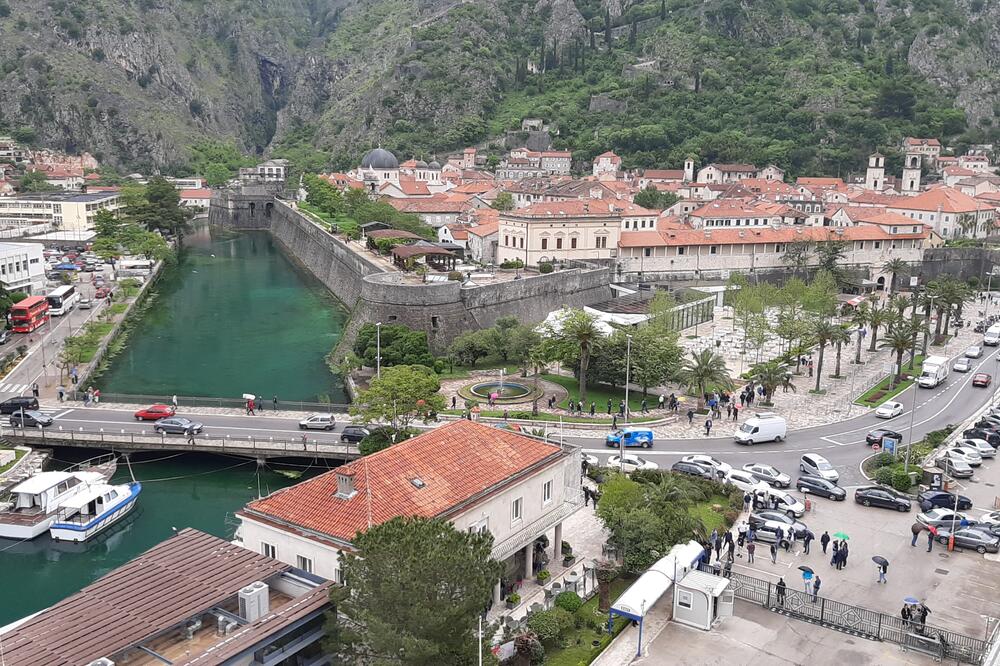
{"type": "Point", "coordinates": [710, 518]}
{"type": "Point", "coordinates": [118, 308]}
{"type": "Point", "coordinates": [881, 392]}
{"type": "Point", "coordinates": [18, 454]}
{"type": "Point", "coordinates": [579, 650]}
{"type": "Point", "coordinates": [600, 393]}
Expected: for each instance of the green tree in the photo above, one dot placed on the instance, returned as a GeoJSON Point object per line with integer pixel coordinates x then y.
{"type": "Point", "coordinates": [402, 394]}
{"type": "Point", "coordinates": [839, 338]}
{"type": "Point", "coordinates": [503, 202]}
{"type": "Point", "coordinates": [877, 318]}
{"type": "Point", "coordinates": [797, 255]}
{"type": "Point", "coordinates": [469, 347]}
{"type": "Point", "coordinates": [830, 256]}
{"type": "Point", "coordinates": [822, 331]}
{"type": "Point", "coordinates": [401, 345]}
{"type": "Point", "coordinates": [860, 319]}
{"type": "Point", "coordinates": [161, 209]}
{"type": "Point", "coordinates": [378, 618]}
{"type": "Point", "coordinates": [896, 267]}
{"type": "Point", "coordinates": [655, 358]}
{"type": "Point", "coordinates": [651, 198]}
{"type": "Point", "coordinates": [35, 181]}
{"type": "Point", "coordinates": [576, 335]}
{"type": "Point", "coordinates": [898, 340]}
{"type": "Point", "coordinates": [704, 370]}
{"type": "Point", "coordinates": [820, 297]}
{"type": "Point", "coordinates": [771, 375]}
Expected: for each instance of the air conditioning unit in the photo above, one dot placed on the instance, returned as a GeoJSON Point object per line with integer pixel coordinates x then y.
{"type": "Point", "coordinates": [103, 661]}
{"type": "Point", "coordinates": [254, 601]}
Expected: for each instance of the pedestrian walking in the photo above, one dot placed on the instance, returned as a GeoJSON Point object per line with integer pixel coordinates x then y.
{"type": "Point", "coordinates": [732, 547]}
{"type": "Point", "coordinates": [824, 541]}
{"type": "Point", "coordinates": [930, 541]}
{"type": "Point", "coordinates": [274, 402]}
{"type": "Point", "coordinates": [609, 406]}
{"type": "Point", "coordinates": [751, 548]}
{"type": "Point", "coordinates": [774, 553]}
{"type": "Point", "coordinates": [736, 412]}
{"type": "Point", "coordinates": [916, 529]}
{"type": "Point", "coordinates": [781, 591]}
{"type": "Point", "coordinates": [844, 552]}
{"type": "Point", "coordinates": [61, 392]}
{"type": "Point", "coordinates": [621, 408]}
{"type": "Point", "coordinates": [260, 403]}
{"type": "Point", "coordinates": [173, 401]}
{"type": "Point", "coordinates": [643, 407]}
{"type": "Point", "coordinates": [453, 402]}
{"type": "Point", "coordinates": [729, 411]}
{"type": "Point", "coordinates": [593, 407]}
{"type": "Point", "coordinates": [727, 569]}
{"type": "Point", "coordinates": [690, 415]}
{"type": "Point", "coordinates": [718, 548]}
{"type": "Point", "coordinates": [836, 554]}
{"type": "Point", "coordinates": [789, 539]}
{"type": "Point", "coordinates": [250, 407]}
{"type": "Point", "coordinates": [190, 436]}
{"type": "Point", "coordinates": [882, 568]}
{"type": "Point", "coordinates": [74, 375]}
{"type": "Point", "coordinates": [807, 540]}
{"type": "Point", "coordinates": [505, 415]}
{"type": "Point", "coordinates": [614, 422]}
{"type": "Point", "coordinates": [34, 389]}
{"type": "Point", "coordinates": [659, 402]}
{"type": "Point", "coordinates": [807, 581]}
{"type": "Point", "coordinates": [746, 502]}
{"type": "Point", "coordinates": [97, 396]}
{"type": "Point", "coordinates": [86, 399]}
{"type": "Point", "coordinates": [713, 537]}
{"type": "Point", "coordinates": [810, 367]}
{"type": "Point", "coordinates": [816, 583]}
{"type": "Point", "coordinates": [708, 427]}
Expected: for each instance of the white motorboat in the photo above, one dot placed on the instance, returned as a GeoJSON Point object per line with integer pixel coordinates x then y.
{"type": "Point", "coordinates": [36, 501]}
{"type": "Point", "coordinates": [92, 510]}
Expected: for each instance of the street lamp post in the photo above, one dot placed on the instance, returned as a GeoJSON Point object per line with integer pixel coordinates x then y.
{"type": "Point", "coordinates": [628, 365]}
{"type": "Point", "coordinates": [378, 349]}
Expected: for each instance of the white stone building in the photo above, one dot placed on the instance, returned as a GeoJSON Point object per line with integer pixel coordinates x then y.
{"type": "Point", "coordinates": [66, 211]}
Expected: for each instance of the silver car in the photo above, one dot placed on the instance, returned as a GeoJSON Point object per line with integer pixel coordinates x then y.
{"type": "Point", "coordinates": [980, 446]}
{"type": "Point", "coordinates": [978, 540]}
{"type": "Point", "coordinates": [939, 517]}
{"type": "Point", "coordinates": [768, 474]}
{"type": "Point", "coordinates": [975, 351]}
{"type": "Point", "coordinates": [959, 469]}
{"type": "Point", "coordinates": [318, 422]}
{"type": "Point", "coordinates": [962, 365]}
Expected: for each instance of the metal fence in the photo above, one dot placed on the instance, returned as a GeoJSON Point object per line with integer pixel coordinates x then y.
{"type": "Point", "coordinates": [267, 404]}
{"type": "Point", "coordinates": [857, 621]}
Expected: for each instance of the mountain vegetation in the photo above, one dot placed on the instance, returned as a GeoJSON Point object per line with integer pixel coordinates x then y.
{"type": "Point", "coordinates": [188, 85]}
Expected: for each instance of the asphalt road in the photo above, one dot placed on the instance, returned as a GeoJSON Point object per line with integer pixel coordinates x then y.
{"type": "Point", "coordinates": [843, 442]}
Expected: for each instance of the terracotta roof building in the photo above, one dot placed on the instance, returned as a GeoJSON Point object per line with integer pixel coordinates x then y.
{"type": "Point", "coordinates": [949, 212]}
{"type": "Point", "coordinates": [475, 476]}
{"type": "Point", "coordinates": [179, 603]}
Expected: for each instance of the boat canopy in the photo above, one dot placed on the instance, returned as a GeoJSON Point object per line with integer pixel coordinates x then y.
{"type": "Point", "coordinates": [41, 482]}
{"type": "Point", "coordinates": [85, 497]}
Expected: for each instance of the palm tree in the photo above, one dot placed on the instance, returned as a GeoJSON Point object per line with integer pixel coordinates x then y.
{"type": "Point", "coordinates": [703, 369]}
{"type": "Point", "coordinates": [860, 319]}
{"type": "Point", "coordinates": [897, 267]}
{"type": "Point", "coordinates": [771, 375]}
{"type": "Point", "coordinates": [954, 293]}
{"type": "Point", "coordinates": [899, 303]}
{"type": "Point", "coordinates": [877, 317]}
{"type": "Point", "coordinates": [839, 337]}
{"type": "Point", "coordinates": [536, 357]}
{"type": "Point", "coordinates": [898, 340]}
{"type": "Point", "coordinates": [580, 329]}
{"type": "Point", "coordinates": [822, 331]}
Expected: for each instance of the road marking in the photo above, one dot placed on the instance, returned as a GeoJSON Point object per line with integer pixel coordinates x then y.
{"type": "Point", "coordinates": [61, 414]}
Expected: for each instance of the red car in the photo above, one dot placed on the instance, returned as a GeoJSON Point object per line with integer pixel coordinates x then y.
{"type": "Point", "coordinates": [981, 379]}
{"type": "Point", "coordinates": [101, 293]}
{"type": "Point", "coordinates": [154, 413]}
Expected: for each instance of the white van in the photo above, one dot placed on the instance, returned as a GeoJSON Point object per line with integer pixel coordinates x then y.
{"type": "Point", "coordinates": [992, 336]}
{"type": "Point", "coordinates": [934, 371]}
{"type": "Point", "coordinates": [761, 427]}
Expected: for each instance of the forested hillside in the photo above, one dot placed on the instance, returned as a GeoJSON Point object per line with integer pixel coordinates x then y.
{"type": "Point", "coordinates": [811, 85]}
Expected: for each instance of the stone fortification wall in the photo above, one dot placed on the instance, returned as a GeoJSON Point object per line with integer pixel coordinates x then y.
{"type": "Point", "coordinates": [961, 262]}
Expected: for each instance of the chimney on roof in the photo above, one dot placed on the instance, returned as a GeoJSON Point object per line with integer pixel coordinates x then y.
{"type": "Point", "coordinates": [345, 483]}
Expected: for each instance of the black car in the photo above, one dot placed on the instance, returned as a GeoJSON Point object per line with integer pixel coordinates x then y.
{"type": "Point", "coordinates": [29, 418]}
{"type": "Point", "coordinates": [353, 433]}
{"type": "Point", "coordinates": [881, 497]}
{"type": "Point", "coordinates": [18, 403]}
{"type": "Point", "coordinates": [972, 433]}
{"type": "Point", "coordinates": [988, 425]}
{"type": "Point", "coordinates": [875, 436]}
{"type": "Point", "coordinates": [814, 485]}
{"type": "Point", "coordinates": [758, 518]}
{"type": "Point", "coordinates": [693, 469]}
{"type": "Point", "coordinates": [931, 499]}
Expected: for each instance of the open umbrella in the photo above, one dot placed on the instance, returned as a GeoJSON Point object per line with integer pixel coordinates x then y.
{"type": "Point", "coordinates": [911, 600]}
{"type": "Point", "coordinates": [881, 561]}
{"type": "Point", "coordinates": [842, 536]}
{"type": "Point", "coordinates": [805, 568]}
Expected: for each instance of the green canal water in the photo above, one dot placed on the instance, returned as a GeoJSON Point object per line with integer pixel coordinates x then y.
{"type": "Point", "coordinates": [179, 490]}
{"type": "Point", "coordinates": [234, 316]}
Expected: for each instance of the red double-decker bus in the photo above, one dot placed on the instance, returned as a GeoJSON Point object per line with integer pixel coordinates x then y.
{"type": "Point", "coordinates": [29, 314]}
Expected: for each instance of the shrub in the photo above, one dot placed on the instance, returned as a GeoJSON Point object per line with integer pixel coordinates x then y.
{"type": "Point", "coordinates": [516, 263]}
{"type": "Point", "coordinates": [731, 516]}
{"type": "Point", "coordinates": [884, 476]}
{"type": "Point", "coordinates": [544, 267]}
{"type": "Point", "coordinates": [565, 548]}
{"type": "Point", "coordinates": [455, 276]}
{"type": "Point", "coordinates": [900, 480]}
{"type": "Point", "coordinates": [585, 618]}
{"type": "Point", "coordinates": [543, 575]}
{"type": "Point", "coordinates": [550, 625]}
{"type": "Point", "coordinates": [514, 598]}
{"type": "Point", "coordinates": [569, 601]}
{"type": "Point", "coordinates": [883, 460]}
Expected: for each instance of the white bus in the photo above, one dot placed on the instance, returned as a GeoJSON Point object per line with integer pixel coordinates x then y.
{"type": "Point", "coordinates": [62, 300]}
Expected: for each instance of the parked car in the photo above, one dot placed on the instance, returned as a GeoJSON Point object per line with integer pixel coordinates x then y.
{"type": "Point", "coordinates": [694, 469]}
{"type": "Point", "coordinates": [745, 481]}
{"type": "Point", "coordinates": [940, 516]}
{"type": "Point", "coordinates": [991, 518]}
{"type": "Point", "coordinates": [972, 539]}
{"type": "Point", "coordinates": [980, 446]}
{"type": "Point", "coordinates": [154, 413]}
{"type": "Point", "coordinates": [354, 433]}
{"type": "Point", "coordinates": [992, 438]}
{"type": "Point", "coordinates": [883, 497]}
{"type": "Point", "coordinates": [875, 436]}
{"type": "Point", "coordinates": [760, 517]}
{"type": "Point", "coordinates": [630, 463]}
{"type": "Point", "coordinates": [766, 497]}
{"type": "Point", "coordinates": [768, 474]}
{"type": "Point", "coordinates": [178, 425]}
{"type": "Point", "coordinates": [817, 485]}
{"type": "Point", "coordinates": [591, 460]}
{"type": "Point", "coordinates": [721, 468]}
{"type": "Point", "coordinates": [975, 351]}
{"type": "Point", "coordinates": [17, 403]}
{"type": "Point", "coordinates": [4, 336]}
{"type": "Point", "coordinates": [959, 469]}
{"type": "Point", "coordinates": [965, 454]}
{"type": "Point", "coordinates": [889, 409]}
{"type": "Point", "coordinates": [982, 379]}
{"type": "Point", "coordinates": [814, 464]}
{"type": "Point", "coordinates": [30, 418]}
{"type": "Point", "coordinates": [932, 499]}
{"type": "Point", "coordinates": [85, 303]}
{"type": "Point", "coordinates": [102, 292]}
{"type": "Point", "coordinates": [962, 365]}
{"type": "Point", "coordinates": [772, 532]}
{"type": "Point", "coordinates": [318, 422]}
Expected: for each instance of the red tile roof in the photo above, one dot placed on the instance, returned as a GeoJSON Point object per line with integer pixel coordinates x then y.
{"type": "Point", "coordinates": [911, 141]}
{"type": "Point", "coordinates": [663, 174]}
{"type": "Point", "coordinates": [610, 155]}
{"type": "Point", "coordinates": [580, 208]}
{"type": "Point", "coordinates": [819, 182]}
{"type": "Point", "coordinates": [730, 208]}
{"type": "Point", "coordinates": [735, 168]}
{"type": "Point", "coordinates": [945, 199]}
{"type": "Point", "coordinates": [201, 193]}
{"type": "Point", "coordinates": [886, 219]}
{"type": "Point", "coordinates": [457, 463]}
{"type": "Point", "coordinates": [428, 205]}
{"type": "Point", "coordinates": [732, 236]}
{"type": "Point", "coordinates": [485, 228]}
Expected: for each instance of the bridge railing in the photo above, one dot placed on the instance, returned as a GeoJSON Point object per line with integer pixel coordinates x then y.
{"type": "Point", "coordinates": [116, 438]}
{"type": "Point", "coordinates": [266, 404]}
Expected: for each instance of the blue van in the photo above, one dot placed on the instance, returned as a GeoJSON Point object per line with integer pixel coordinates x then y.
{"type": "Point", "coordinates": [641, 437]}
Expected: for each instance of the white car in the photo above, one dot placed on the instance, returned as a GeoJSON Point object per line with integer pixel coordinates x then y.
{"type": "Point", "coordinates": [768, 475]}
{"type": "Point", "coordinates": [962, 365]}
{"type": "Point", "coordinates": [991, 518]}
{"type": "Point", "coordinates": [966, 454]}
{"type": "Point", "coordinates": [630, 463]}
{"type": "Point", "coordinates": [814, 464]}
{"type": "Point", "coordinates": [721, 468]}
{"type": "Point", "coordinates": [889, 409]}
{"type": "Point", "coordinates": [745, 481]}
{"type": "Point", "coordinates": [975, 351]}
{"type": "Point", "coordinates": [980, 446]}
{"type": "Point", "coordinates": [318, 422]}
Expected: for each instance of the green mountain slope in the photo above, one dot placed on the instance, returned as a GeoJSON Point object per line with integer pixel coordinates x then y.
{"type": "Point", "coordinates": [812, 85]}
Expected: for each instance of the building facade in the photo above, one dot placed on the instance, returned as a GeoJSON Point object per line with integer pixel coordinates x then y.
{"type": "Point", "coordinates": [22, 267]}
{"type": "Point", "coordinates": [63, 210]}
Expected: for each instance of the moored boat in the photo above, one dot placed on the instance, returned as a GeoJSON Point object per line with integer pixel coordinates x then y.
{"type": "Point", "coordinates": [91, 511]}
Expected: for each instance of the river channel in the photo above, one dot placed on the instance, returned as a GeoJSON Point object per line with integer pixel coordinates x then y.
{"type": "Point", "coordinates": [179, 490]}
{"type": "Point", "coordinates": [234, 316]}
